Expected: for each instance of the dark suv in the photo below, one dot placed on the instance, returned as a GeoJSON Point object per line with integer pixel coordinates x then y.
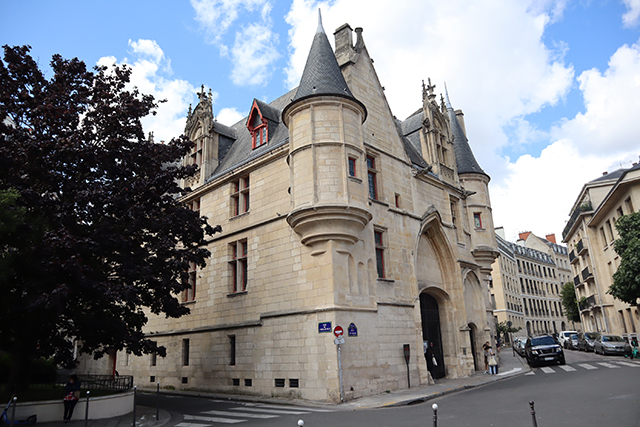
{"type": "Point", "coordinates": [543, 348]}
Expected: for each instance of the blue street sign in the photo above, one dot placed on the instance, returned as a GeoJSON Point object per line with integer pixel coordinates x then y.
{"type": "Point", "coordinates": [353, 330]}
{"type": "Point", "coordinates": [324, 327]}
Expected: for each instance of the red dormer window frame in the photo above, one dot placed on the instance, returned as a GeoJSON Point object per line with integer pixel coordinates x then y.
{"type": "Point", "coordinates": [259, 133]}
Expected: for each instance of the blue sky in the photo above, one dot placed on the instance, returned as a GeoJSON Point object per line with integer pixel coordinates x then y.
{"type": "Point", "coordinates": [550, 89]}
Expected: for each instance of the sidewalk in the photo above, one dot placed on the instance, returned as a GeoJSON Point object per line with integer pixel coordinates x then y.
{"type": "Point", "coordinates": [510, 366]}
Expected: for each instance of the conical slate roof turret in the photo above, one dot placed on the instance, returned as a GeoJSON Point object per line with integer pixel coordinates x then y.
{"type": "Point", "coordinates": [465, 160]}
{"type": "Point", "coordinates": [322, 74]}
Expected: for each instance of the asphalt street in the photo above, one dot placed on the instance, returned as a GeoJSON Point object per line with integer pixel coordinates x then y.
{"type": "Point", "coordinates": [590, 390]}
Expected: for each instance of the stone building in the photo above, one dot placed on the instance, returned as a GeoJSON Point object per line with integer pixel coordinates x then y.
{"type": "Point", "coordinates": [334, 213]}
{"type": "Point", "coordinates": [590, 233]}
{"type": "Point", "coordinates": [527, 279]}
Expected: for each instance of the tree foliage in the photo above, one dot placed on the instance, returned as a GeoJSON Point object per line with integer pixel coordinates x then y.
{"type": "Point", "coordinates": [502, 329]}
{"type": "Point", "coordinates": [569, 302]}
{"type": "Point", "coordinates": [93, 236]}
{"type": "Point", "coordinates": [626, 280]}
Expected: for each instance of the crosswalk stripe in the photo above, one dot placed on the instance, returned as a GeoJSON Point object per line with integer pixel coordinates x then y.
{"type": "Point", "coordinates": [608, 365]}
{"type": "Point", "coordinates": [530, 373]}
{"type": "Point", "coordinates": [270, 411]}
{"type": "Point", "coordinates": [295, 408]}
{"type": "Point", "coordinates": [587, 366]}
{"type": "Point", "coordinates": [634, 365]}
{"type": "Point", "coordinates": [548, 370]}
{"type": "Point", "coordinates": [213, 419]}
{"type": "Point", "coordinates": [568, 368]}
{"type": "Point", "coordinates": [191, 425]}
{"type": "Point", "coordinates": [240, 414]}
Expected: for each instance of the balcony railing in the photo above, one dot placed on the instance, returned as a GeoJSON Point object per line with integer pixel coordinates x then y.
{"type": "Point", "coordinates": [576, 281]}
{"type": "Point", "coordinates": [586, 273]}
{"type": "Point", "coordinates": [580, 247]}
{"type": "Point", "coordinates": [572, 257]}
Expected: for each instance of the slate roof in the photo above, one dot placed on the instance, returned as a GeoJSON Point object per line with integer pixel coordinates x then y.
{"type": "Point", "coordinates": [322, 74]}
{"type": "Point", "coordinates": [239, 151]}
{"type": "Point", "coordinates": [465, 160]}
{"type": "Point", "coordinates": [615, 175]}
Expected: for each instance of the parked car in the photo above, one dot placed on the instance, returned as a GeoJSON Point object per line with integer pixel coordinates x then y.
{"type": "Point", "coordinates": [609, 344]}
{"type": "Point", "coordinates": [518, 345]}
{"type": "Point", "coordinates": [543, 348]}
{"type": "Point", "coordinates": [586, 340]}
{"type": "Point", "coordinates": [572, 342]}
{"type": "Point", "coordinates": [564, 337]}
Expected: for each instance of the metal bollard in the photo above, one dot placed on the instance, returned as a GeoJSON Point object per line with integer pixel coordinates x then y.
{"type": "Point", "coordinates": [86, 410]}
{"type": "Point", "coordinates": [435, 414]}
{"type": "Point", "coordinates": [533, 414]}
{"type": "Point", "coordinates": [13, 411]}
{"type": "Point", "coordinates": [158, 402]}
{"type": "Point", "coordinates": [135, 392]}
{"type": "Point", "coordinates": [300, 423]}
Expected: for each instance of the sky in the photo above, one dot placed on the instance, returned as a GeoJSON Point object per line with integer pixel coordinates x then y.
{"type": "Point", "coordinates": [550, 89]}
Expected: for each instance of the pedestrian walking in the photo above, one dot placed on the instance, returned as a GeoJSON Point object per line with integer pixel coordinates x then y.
{"type": "Point", "coordinates": [486, 348]}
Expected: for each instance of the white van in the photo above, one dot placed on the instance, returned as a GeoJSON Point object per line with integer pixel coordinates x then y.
{"type": "Point", "coordinates": [564, 337]}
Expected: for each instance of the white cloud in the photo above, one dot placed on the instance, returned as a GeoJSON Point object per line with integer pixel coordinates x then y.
{"type": "Point", "coordinates": [609, 125]}
{"type": "Point", "coordinates": [631, 17]}
{"type": "Point", "coordinates": [230, 116]}
{"type": "Point", "coordinates": [254, 48]}
{"type": "Point", "coordinates": [150, 71]}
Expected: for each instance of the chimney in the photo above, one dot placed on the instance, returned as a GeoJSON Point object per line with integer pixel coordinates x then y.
{"type": "Point", "coordinates": [551, 238]}
{"type": "Point", "coordinates": [524, 235]}
{"type": "Point", "coordinates": [604, 173]}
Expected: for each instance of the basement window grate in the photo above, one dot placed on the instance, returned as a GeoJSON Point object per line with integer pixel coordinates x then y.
{"type": "Point", "coordinates": [293, 383]}
{"type": "Point", "coordinates": [279, 382]}
{"type": "Point", "coordinates": [236, 381]}
{"type": "Point", "coordinates": [185, 380]}
{"type": "Point", "coordinates": [152, 379]}
{"type": "Point", "coordinates": [248, 382]}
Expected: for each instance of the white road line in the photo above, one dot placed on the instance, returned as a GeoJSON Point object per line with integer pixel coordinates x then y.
{"type": "Point", "coordinates": [634, 365]}
{"type": "Point", "coordinates": [530, 373]}
{"type": "Point", "coordinates": [213, 419]}
{"type": "Point", "coordinates": [587, 366]}
{"type": "Point", "coordinates": [295, 408]}
{"type": "Point", "coordinates": [568, 368]}
{"type": "Point", "coordinates": [548, 370]}
{"type": "Point", "coordinates": [270, 411]}
{"type": "Point", "coordinates": [608, 365]}
{"type": "Point", "coordinates": [192, 425]}
{"type": "Point", "coordinates": [240, 414]}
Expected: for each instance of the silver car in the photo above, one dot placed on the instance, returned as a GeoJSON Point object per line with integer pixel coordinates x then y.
{"type": "Point", "coordinates": [609, 344]}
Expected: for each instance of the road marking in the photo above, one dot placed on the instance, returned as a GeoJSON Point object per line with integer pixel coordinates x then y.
{"type": "Point", "coordinates": [241, 414]}
{"type": "Point", "coordinates": [587, 366]}
{"type": "Point", "coordinates": [548, 370]}
{"type": "Point", "coordinates": [270, 411]}
{"type": "Point", "coordinates": [514, 370]}
{"type": "Point", "coordinates": [608, 365]}
{"type": "Point", "coordinates": [568, 368]}
{"type": "Point", "coordinates": [530, 373]}
{"type": "Point", "coordinates": [634, 365]}
{"type": "Point", "coordinates": [213, 419]}
{"type": "Point", "coordinates": [192, 425]}
{"type": "Point", "coordinates": [296, 408]}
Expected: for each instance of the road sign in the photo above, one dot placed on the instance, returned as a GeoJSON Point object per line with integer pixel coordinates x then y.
{"type": "Point", "coordinates": [338, 331]}
{"type": "Point", "coordinates": [339, 340]}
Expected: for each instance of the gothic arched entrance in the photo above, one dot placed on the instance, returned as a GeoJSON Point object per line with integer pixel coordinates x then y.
{"type": "Point", "coordinates": [431, 335]}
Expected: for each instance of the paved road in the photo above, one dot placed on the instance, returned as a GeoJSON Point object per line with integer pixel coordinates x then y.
{"type": "Point", "coordinates": [590, 390]}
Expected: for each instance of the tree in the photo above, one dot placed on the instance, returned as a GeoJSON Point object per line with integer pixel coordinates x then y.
{"type": "Point", "coordinates": [569, 302]}
{"type": "Point", "coordinates": [626, 280]}
{"type": "Point", "coordinates": [97, 238]}
{"type": "Point", "coordinates": [502, 329]}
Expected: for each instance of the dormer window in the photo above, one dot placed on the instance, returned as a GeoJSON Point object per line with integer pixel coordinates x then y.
{"type": "Point", "coordinates": [258, 127]}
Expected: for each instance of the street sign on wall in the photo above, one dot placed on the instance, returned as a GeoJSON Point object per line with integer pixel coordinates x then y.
{"type": "Point", "coordinates": [324, 327]}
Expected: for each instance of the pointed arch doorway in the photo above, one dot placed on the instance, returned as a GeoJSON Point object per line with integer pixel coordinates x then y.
{"type": "Point", "coordinates": [473, 336]}
{"type": "Point", "coordinates": [431, 335]}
